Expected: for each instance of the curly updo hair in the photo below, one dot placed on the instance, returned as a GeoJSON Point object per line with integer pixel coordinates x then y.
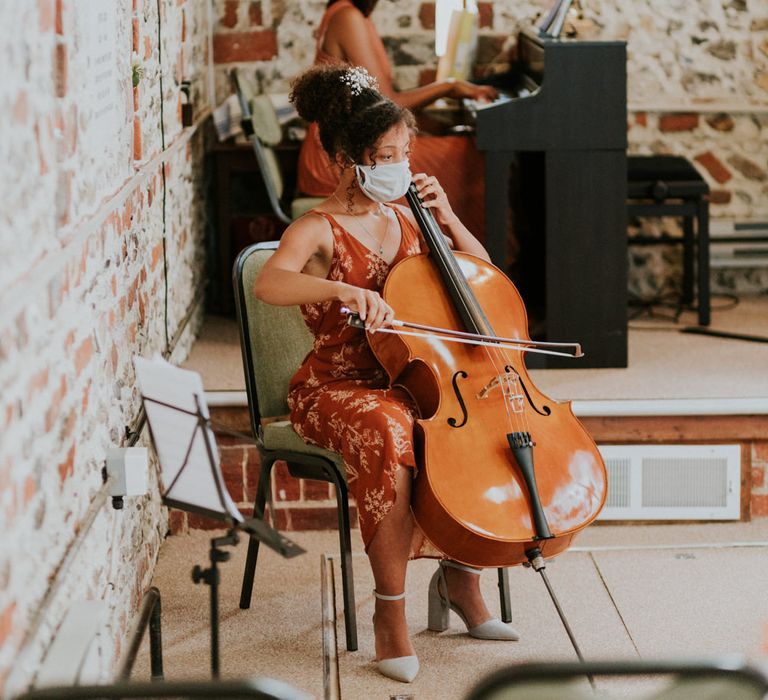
{"type": "Point", "coordinates": [351, 117]}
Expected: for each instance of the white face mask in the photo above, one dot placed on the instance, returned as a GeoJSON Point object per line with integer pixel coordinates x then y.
{"type": "Point", "coordinates": [384, 182]}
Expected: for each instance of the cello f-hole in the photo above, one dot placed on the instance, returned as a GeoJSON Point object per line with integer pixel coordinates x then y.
{"type": "Point", "coordinates": [544, 410]}
{"type": "Point", "coordinates": [452, 421]}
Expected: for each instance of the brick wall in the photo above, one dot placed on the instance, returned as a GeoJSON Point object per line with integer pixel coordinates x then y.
{"type": "Point", "coordinates": [759, 477]}
{"type": "Point", "coordinates": [301, 504]}
{"type": "Point", "coordinates": [730, 150]}
{"type": "Point", "coordinates": [102, 211]}
{"type": "Point", "coordinates": [697, 83]}
{"type": "Point", "coordinates": [749, 432]}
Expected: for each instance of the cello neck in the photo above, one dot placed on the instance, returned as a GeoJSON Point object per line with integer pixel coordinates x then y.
{"type": "Point", "coordinates": [464, 300]}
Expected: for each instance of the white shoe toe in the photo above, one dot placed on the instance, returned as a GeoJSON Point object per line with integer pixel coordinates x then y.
{"type": "Point", "coordinates": [494, 629]}
{"type": "Point", "coordinates": [402, 668]}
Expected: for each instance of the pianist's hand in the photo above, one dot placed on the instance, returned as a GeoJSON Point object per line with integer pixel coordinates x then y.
{"type": "Point", "coordinates": [463, 90]}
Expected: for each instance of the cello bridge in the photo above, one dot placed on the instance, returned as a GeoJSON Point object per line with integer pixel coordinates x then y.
{"type": "Point", "coordinates": [509, 387]}
{"type": "Point", "coordinates": [490, 386]}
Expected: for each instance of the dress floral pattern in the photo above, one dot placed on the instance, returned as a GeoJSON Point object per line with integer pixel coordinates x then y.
{"type": "Point", "coordinates": [340, 398]}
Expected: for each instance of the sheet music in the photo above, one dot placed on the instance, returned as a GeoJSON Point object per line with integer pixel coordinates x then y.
{"type": "Point", "coordinates": [199, 482]}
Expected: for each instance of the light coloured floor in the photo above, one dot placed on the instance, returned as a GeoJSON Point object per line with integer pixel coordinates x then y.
{"type": "Point", "coordinates": [663, 362]}
{"type": "Point", "coordinates": [661, 591]}
{"type": "Point", "coordinates": [655, 592]}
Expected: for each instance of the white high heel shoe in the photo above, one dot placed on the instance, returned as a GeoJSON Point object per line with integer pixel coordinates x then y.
{"type": "Point", "coordinates": [401, 668]}
{"type": "Point", "coordinates": [440, 607]}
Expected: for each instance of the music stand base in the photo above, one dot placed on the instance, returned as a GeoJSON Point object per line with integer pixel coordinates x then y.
{"type": "Point", "coordinates": [211, 577]}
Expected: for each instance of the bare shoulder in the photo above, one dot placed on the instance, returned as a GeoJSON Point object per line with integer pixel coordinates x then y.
{"type": "Point", "coordinates": [307, 242]}
{"type": "Point", "coordinates": [348, 17]}
{"type": "Point", "coordinates": [346, 26]}
{"type": "Point", "coordinates": [310, 233]}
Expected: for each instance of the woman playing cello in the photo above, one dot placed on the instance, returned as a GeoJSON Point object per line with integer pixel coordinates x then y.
{"type": "Point", "coordinates": [339, 255]}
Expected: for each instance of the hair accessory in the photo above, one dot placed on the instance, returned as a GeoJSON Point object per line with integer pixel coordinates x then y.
{"type": "Point", "coordinates": [358, 78]}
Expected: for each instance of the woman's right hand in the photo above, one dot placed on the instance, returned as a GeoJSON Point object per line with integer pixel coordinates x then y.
{"type": "Point", "coordinates": [368, 304]}
{"type": "Point", "coordinates": [462, 89]}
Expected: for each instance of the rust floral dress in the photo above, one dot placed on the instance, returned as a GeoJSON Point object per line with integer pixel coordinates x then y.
{"type": "Point", "coordinates": [340, 399]}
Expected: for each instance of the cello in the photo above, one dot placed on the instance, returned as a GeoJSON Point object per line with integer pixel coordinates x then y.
{"type": "Point", "coordinates": [506, 476]}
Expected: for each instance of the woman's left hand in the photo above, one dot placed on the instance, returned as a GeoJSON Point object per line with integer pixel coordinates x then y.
{"type": "Point", "coordinates": [433, 197]}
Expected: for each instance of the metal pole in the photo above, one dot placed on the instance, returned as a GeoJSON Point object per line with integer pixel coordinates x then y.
{"type": "Point", "coordinates": [214, 584]}
{"type": "Point", "coordinates": [149, 613]}
{"type": "Point", "coordinates": [538, 565]}
{"type": "Point", "coordinates": [156, 640]}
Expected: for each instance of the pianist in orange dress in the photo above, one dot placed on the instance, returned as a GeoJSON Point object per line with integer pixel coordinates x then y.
{"type": "Point", "coordinates": [348, 35]}
{"type": "Point", "coordinates": [339, 254]}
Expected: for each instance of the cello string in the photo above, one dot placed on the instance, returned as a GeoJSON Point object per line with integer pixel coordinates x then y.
{"type": "Point", "coordinates": [496, 356]}
{"type": "Point", "coordinates": [516, 419]}
{"type": "Point", "coordinates": [457, 282]}
{"type": "Point", "coordinates": [516, 395]}
{"type": "Point", "coordinates": [465, 296]}
{"type": "Point", "coordinates": [510, 385]}
{"type": "Point", "coordinates": [462, 294]}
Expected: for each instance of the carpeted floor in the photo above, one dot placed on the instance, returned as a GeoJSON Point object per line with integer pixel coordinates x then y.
{"type": "Point", "coordinates": [688, 591]}
{"type": "Point", "coordinates": [663, 362]}
{"type": "Point", "coordinates": [633, 591]}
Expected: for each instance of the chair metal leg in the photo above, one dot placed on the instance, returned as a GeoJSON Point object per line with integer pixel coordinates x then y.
{"type": "Point", "coordinates": [688, 259]}
{"type": "Point", "coordinates": [504, 599]}
{"type": "Point", "coordinates": [703, 262]}
{"type": "Point", "coordinates": [253, 544]}
{"type": "Point", "coordinates": [345, 549]}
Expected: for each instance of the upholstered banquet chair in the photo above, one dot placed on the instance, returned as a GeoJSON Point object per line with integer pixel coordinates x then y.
{"type": "Point", "coordinates": [274, 341]}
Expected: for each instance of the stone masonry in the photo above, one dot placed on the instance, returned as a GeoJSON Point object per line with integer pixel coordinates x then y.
{"type": "Point", "coordinates": [697, 83]}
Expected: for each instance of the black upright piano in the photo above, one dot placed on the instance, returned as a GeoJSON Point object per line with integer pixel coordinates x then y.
{"type": "Point", "coordinates": [555, 149]}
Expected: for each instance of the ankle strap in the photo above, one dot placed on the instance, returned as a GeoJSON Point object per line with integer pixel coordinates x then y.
{"type": "Point", "coordinates": [461, 567]}
{"type": "Point", "coordinates": [381, 596]}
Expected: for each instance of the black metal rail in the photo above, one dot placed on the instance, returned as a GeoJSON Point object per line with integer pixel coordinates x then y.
{"type": "Point", "coordinates": [149, 617]}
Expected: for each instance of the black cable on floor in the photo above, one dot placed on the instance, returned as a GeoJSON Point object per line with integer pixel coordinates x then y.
{"type": "Point", "coordinates": [702, 330]}
{"type": "Point", "coordinates": [648, 308]}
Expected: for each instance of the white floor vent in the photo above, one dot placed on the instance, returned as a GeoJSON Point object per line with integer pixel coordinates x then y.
{"type": "Point", "coordinates": [672, 482]}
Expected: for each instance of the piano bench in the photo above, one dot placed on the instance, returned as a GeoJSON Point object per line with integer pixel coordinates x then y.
{"type": "Point", "coordinates": [671, 186]}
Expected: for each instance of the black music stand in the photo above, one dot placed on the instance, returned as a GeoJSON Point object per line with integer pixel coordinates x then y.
{"type": "Point", "coordinates": [552, 24]}
{"type": "Point", "coordinates": [181, 433]}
